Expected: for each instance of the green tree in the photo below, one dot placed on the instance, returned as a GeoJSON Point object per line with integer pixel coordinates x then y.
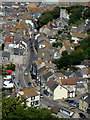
{"type": "Point", "coordinates": [45, 18]}
{"type": "Point", "coordinates": [75, 16]}
{"type": "Point", "coordinates": [64, 53]}
{"type": "Point", "coordinates": [88, 31]}
{"type": "Point", "coordinates": [72, 8]}
{"type": "Point", "coordinates": [59, 32]}
{"type": "Point", "coordinates": [87, 13]}
{"type": "Point", "coordinates": [11, 66]}
{"type": "Point", "coordinates": [48, 16]}
{"type": "Point", "coordinates": [12, 109]}
{"type": "Point", "coordinates": [57, 44]}
{"type": "Point", "coordinates": [56, 12]}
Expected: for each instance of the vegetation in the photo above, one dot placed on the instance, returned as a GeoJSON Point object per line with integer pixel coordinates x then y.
{"type": "Point", "coordinates": [76, 13]}
{"type": "Point", "coordinates": [48, 16]}
{"type": "Point", "coordinates": [13, 110]}
{"type": "Point", "coordinates": [82, 52]}
{"type": "Point", "coordinates": [64, 53]}
{"type": "Point", "coordinates": [59, 32]}
{"type": "Point", "coordinates": [57, 44]}
{"type": "Point", "coordinates": [88, 31]}
{"type": "Point", "coordinates": [11, 66]}
{"type": "Point", "coordinates": [87, 13]}
{"type": "Point", "coordinates": [72, 8]}
{"type": "Point", "coordinates": [75, 16]}
{"type": "Point", "coordinates": [1, 30]}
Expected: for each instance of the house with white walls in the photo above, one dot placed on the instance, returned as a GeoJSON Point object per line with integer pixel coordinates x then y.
{"type": "Point", "coordinates": [31, 96]}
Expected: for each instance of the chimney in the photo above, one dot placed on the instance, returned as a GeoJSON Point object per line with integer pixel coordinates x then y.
{"type": "Point", "coordinates": [49, 24]}
{"type": "Point", "coordinates": [53, 22]}
{"type": "Point", "coordinates": [19, 48]}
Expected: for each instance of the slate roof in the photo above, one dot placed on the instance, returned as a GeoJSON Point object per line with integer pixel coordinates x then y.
{"type": "Point", "coordinates": [79, 35]}
{"type": "Point", "coordinates": [47, 75]}
{"type": "Point", "coordinates": [69, 73]}
{"type": "Point", "coordinates": [6, 54]}
{"type": "Point", "coordinates": [69, 81]}
{"type": "Point", "coordinates": [42, 53]}
{"type": "Point", "coordinates": [78, 74]}
{"type": "Point", "coordinates": [52, 78]}
{"type": "Point", "coordinates": [42, 69]}
{"type": "Point", "coordinates": [65, 20]}
{"type": "Point", "coordinates": [80, 85]}
{"type": "Point", "coordinates": [86, 98]}
{"type": "Point", "coordinates": [26, 41]}
{"type": "Point", "coordinates": [68, 49]}
{"type": "Point", "coordinates": [86, 62]}
{"type": "Point", "coordinates": [52, 84]}
{"type": "Point", "coordinates": [85, 71]}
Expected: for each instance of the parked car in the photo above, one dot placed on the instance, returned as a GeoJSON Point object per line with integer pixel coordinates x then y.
{"type": "Point", "coordinates": [49, 107]}
{"type": "Point", "coordinates": [76, 104]}
{"type": "Point", "coordinates": [71, 101]}
{"type": "Point", "coordinates": [29, 83]}
{"type": "Point", "coordinates": [66, 100]}
{"type": "Point", "coordinates": [71, 107]}
{"type": "Point", "coordinates": [82, 115]}
{"type": "Point", "coordinates": [41, 96]}
{"type": "Point", "coordinates": [32, 47]}
{"type": "Point", "coordinates": [25, 73]}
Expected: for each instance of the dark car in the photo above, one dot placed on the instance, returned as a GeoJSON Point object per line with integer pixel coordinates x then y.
{"type": "Point", "coordinates": [32, 47]}
{"type": "Point", "coordinates": [71, 101]}
{"type": "Point", "coordinates": [29, 83]}
{"type": "Point", "coordinates": [31, 43]}
{"type": "Point", "coordinates": [66, 100]}
{"type": "Point", "coordinates": [82, 115]}
{"type": "Point", "coordinates": [32, 50]}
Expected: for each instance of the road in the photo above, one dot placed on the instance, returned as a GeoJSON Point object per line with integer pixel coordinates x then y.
{"type": "Point", "coordinates": [24, 79]}
{"type": "Point", "coordinates": [50, 102]}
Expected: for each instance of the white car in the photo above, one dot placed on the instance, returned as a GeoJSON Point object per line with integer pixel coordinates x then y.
{"type": "Point", "coordinates": [41, 96]}
{"type": "Point", "coordinates": [25, 73]}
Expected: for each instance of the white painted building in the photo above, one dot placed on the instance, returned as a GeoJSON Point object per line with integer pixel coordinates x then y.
{"type": "Point", "coordinates": [64, 14]}
{"type": "Point", "coordinates": [30, 22]}
{"type": "Point", "coordinates": [8, 84]}
{"type": "Point", "coordinates": [56, 91]}
{"type": "Point", "coordinates": [31, 96]}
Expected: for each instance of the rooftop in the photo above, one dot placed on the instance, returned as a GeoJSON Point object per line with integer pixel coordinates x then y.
{"type": "Point", "coordinates": [30, 92]}
{"type": "Point", "coordinates": [86, 97]}
{"type": "Point", "coordinates": [52, 84]}
{"type": "Point", "coordinates": [47, 75]}
{"type": "Point", "coordinates": [69, 81]}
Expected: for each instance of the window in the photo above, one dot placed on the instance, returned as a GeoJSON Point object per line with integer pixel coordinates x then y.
{"type": "Point", "coordinates": [32, 104]}
{"type": "Point", "coordinates": [36, 102]}
{"type": "Point", "coordinates": [32, 98]}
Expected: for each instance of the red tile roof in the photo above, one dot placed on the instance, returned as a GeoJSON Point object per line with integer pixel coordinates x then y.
{"type": "Point", "coordinates": [9, 39]}
{"type": "Point", "coordinates": [69, 81]}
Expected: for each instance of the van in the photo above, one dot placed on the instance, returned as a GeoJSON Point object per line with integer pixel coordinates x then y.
{"type": "Point", "coordinates": [66, 111]}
